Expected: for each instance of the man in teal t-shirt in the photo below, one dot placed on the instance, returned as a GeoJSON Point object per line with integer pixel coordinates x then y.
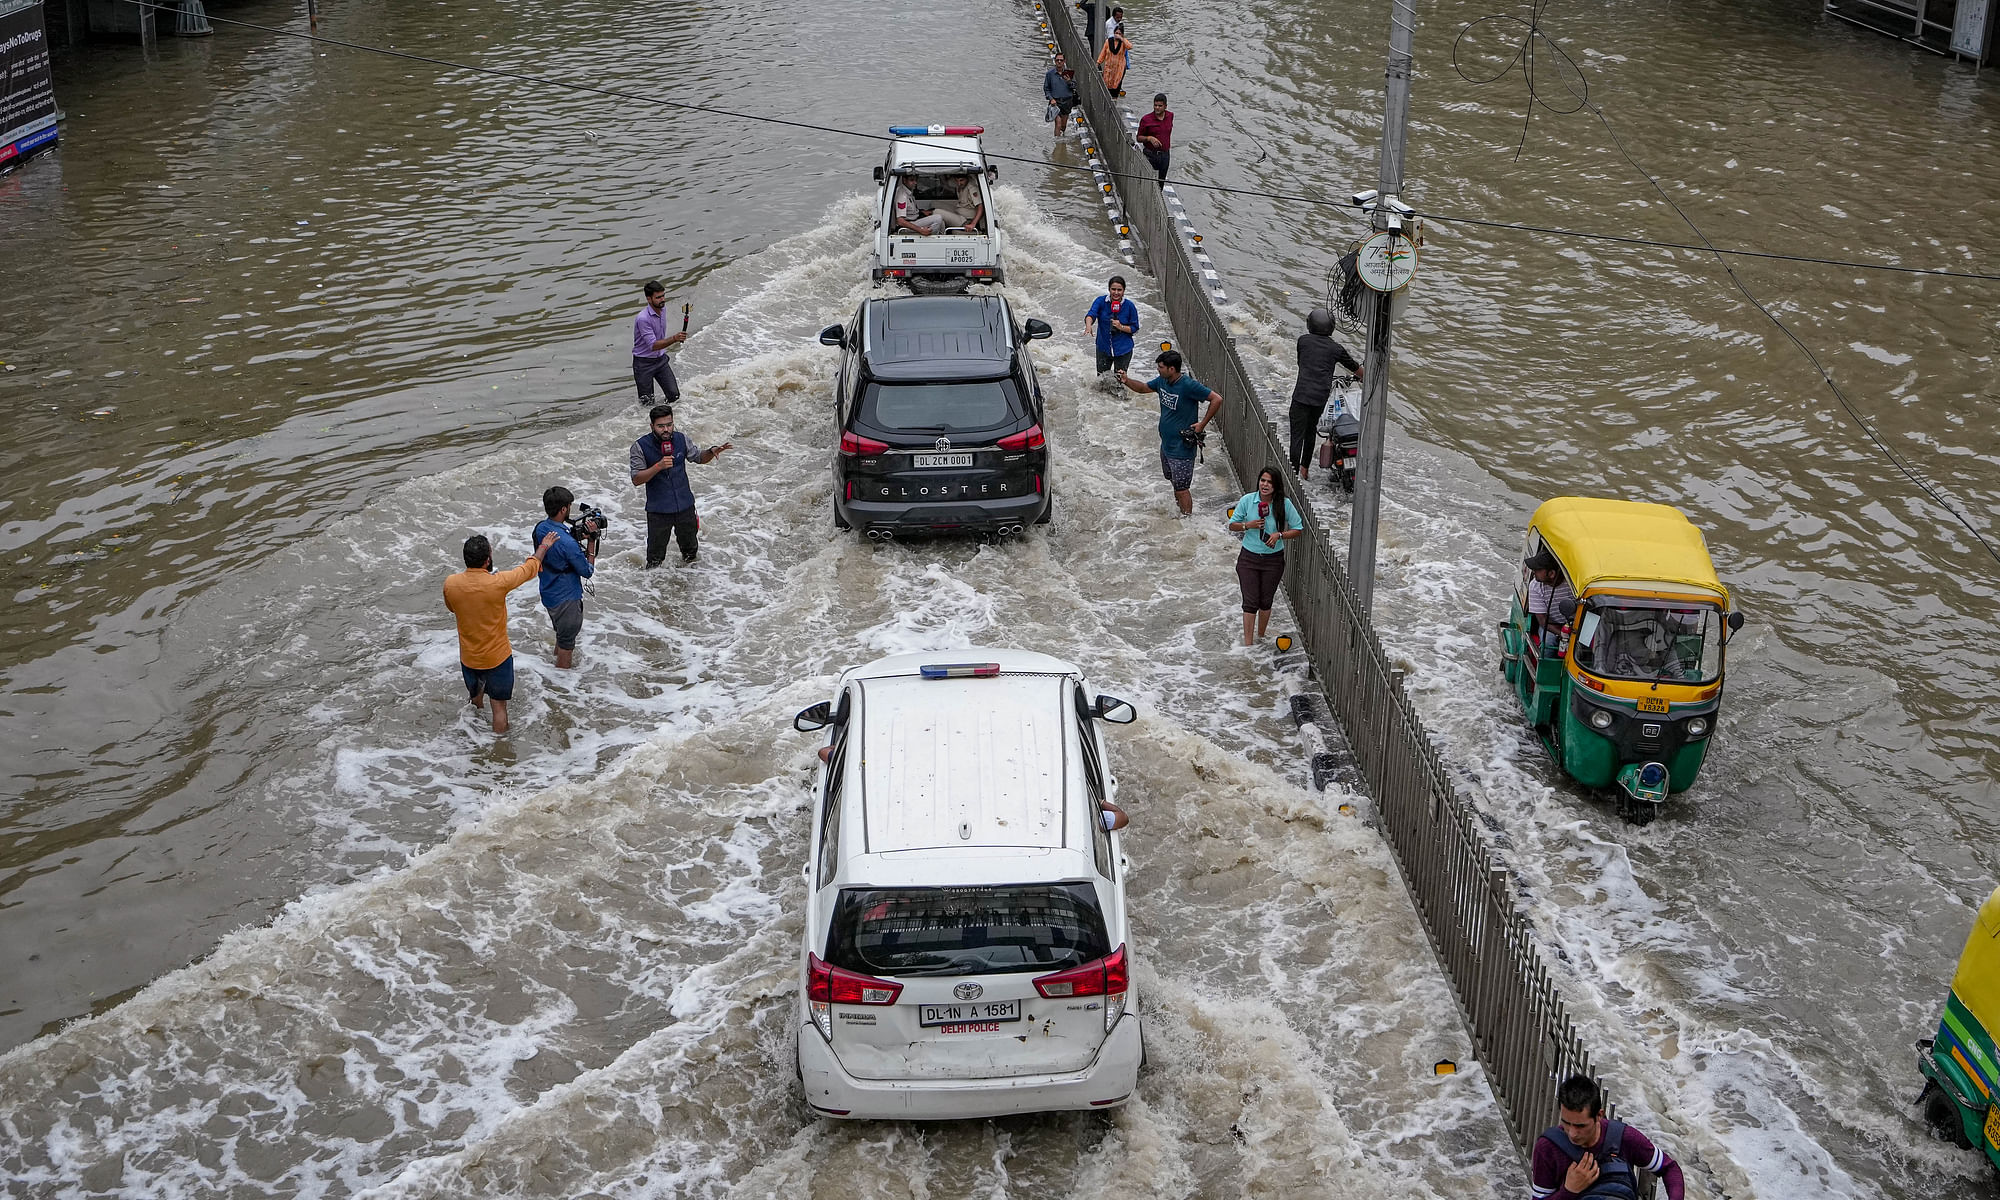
{"type": "Point", "coordinates": [1180, 416]}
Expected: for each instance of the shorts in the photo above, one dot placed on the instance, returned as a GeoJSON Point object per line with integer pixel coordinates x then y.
{"type": "Point", "coordinates": [567, 618]}
{"type": "Point", "coordinates": [1258, 575]}
{"type": "Point", "coordinates": [1063, 107]}
{"type": "Point", "coordinates": [1106, 362]}
{"type": "Point", "coordinates": [1178, 471]}
{"type": "Point", "coordinates": [496, 682]}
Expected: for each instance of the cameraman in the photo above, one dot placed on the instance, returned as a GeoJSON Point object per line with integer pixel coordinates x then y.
{"type": "Point", "coordinates": [564, 568]}
{"type": "Point", "coordinates": [659, 464]}
{"type": "Point", "coordinates": [1181, 433]}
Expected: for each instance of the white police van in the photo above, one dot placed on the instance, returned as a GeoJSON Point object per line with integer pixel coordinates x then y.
{"type": "Point", "coordinates": [927, 171]}
{"type": "Point", "coordinates": [965, 948]}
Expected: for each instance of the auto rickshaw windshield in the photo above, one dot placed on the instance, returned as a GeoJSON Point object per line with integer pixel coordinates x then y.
{"type": "Point", "coordinates": [1622, 638]}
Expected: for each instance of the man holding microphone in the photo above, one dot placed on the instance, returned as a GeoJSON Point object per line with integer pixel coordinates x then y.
{"type": "Point", "coordinates": [659, 464]}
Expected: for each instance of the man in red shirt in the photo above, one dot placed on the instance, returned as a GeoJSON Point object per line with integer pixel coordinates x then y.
{"type": "Point", "coordinates": [1156, 135]}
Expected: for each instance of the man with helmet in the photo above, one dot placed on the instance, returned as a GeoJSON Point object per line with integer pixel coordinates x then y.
{"type": "Point", "coordinates": [1319, 354]}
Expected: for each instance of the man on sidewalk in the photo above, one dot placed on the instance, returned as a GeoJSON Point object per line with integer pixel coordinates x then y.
{"type": "Point", "coordinates": [1156, 136]}
{"type": "Point", "coordinates": [650, 342]}
{"type": "Point", "coordinates": [1584, 1155]}
{"type": "Point", "coordinates": [477, 598]}
{"type": "Point", "coordinates": [1180, 432]}
{"type": "Point", "coordinates": [659, 464]}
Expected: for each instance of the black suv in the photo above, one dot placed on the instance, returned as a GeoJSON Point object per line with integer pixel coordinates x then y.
{"type": "Point", "coordinates": [940, 419]}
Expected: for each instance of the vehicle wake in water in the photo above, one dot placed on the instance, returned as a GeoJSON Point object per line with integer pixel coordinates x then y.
{"type": "Point", "coordinates": [586, 985]}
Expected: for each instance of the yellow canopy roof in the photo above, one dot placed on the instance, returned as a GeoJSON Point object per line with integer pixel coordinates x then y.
{"type": "Point", "coordinates": [1977, 980]}
{"type": "Point", "coordinates": [1619, 539]}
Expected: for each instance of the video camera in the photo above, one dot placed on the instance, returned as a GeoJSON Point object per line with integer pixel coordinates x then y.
{"type": "Point", "coordinates": [588, 525]}
{"type": "Point", "coordinates": [1198, 438]}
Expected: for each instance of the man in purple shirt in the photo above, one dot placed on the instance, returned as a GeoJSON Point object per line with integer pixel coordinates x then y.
{"type": "Point", "coordinates": [1584, 1155]}
{"type": "Point", "coordinates": [650, 340]}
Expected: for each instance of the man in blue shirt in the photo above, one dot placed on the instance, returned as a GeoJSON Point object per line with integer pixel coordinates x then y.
{"type": "Point", "coordinates": [659, 464]}
{"type": "Point", "coordinates": [1114, 319]}
{"type": "Point", "coordinates": [564, 568]}
{"type": "Point", "coordinates": [1181, 422]}
{"type": "Point", "coordinates": [1059, 89]}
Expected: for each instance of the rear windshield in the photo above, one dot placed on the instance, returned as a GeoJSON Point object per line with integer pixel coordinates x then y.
{"type": "Point", "coordinates": [966, 931]}
{"type": "Point", "coordinates": [941, 407]}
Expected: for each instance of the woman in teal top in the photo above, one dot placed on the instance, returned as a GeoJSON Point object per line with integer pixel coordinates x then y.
{"type": "Point", "coordinates": [1267, 521]}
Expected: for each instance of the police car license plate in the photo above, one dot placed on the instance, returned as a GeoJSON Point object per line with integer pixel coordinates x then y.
{"type": "Point", "coordinates": [1652, 704]}
{"type": "Point", "coordinates": [978, 1010]}
{"type": "Point", "coordinates": [943, 460]}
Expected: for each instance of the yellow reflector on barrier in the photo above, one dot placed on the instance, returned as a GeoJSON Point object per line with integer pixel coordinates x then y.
{"type": "Point", "coordinates": [1444, 1066]}
{"type": "Point", "coordinates": [1283, 642]}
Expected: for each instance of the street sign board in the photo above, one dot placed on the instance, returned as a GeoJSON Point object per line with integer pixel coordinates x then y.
{"type": "Point", "coordinates": [1387, 261]}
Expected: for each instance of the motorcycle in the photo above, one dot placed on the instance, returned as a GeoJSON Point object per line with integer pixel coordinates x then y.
{"type": "Point", "coordinates": [1340, 431]}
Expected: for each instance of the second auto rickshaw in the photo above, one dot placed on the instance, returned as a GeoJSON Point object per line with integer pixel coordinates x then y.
{"type": "Point", "coordinates": [1614, 645]}
{"type": "Point", "coordinates": [1961, 1067]}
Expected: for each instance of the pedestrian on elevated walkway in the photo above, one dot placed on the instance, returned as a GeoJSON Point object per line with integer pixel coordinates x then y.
{"type": "Point", "coordinates": [1156, 136]}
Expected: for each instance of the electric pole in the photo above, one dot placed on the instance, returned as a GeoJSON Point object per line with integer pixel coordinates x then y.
{"type": "Point", "coordinates": [1386, 263]}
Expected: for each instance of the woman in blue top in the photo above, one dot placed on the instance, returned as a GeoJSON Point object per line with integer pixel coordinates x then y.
{"type": "Point", "coordinates": [1267, 521]}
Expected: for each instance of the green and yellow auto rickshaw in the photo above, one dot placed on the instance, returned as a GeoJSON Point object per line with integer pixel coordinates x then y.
{"type": "Point", "coordinates": [1960, 1066]}
{"type": "Point", "coordinates": [1614, 645]}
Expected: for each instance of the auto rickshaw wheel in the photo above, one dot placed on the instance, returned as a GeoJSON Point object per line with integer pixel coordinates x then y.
{"type": "Point", "coordinates": [1941, 1114]}
{"type": "Point", "coordinates": [1636, 812]}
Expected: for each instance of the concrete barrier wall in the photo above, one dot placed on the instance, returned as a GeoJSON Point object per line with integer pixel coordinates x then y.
{"type": "Point", "coordinates": [1516, 1019]}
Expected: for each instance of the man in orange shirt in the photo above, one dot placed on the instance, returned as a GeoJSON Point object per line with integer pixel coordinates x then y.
{"type": "Point", "coordinates": [477, 596]}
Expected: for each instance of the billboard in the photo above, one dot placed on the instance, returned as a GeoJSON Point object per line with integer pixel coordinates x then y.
{"type": "Point", "coordinates": [27, 93]}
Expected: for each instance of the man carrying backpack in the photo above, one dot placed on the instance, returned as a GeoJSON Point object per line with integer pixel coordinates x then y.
{"type": "Point", "coordinates": [1585, 1155]}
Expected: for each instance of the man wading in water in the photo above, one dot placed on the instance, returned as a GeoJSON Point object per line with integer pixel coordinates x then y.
{"type": "Point", "coordinates": [1583, 1155]}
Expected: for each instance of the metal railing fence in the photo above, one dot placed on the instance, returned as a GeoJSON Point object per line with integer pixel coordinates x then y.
{"type": "Point", "coordinates": [1510, 1006]}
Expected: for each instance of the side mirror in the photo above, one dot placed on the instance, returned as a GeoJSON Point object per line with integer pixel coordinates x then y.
{"type": "Point", "coordinates": [833, 335]}
{"type": "Point", "coordinates": [819, 716]}
{"type": "Point", "coordinates": [993, 174]}
{"type": "Point", "coordinates": [1038, 330]}
{"type": "Point", "coordinates": [1114, 710]}
{"type": "Point", "coordinates": [878, 174]}
{"type": "Point", "coordinates": [1735, 621]}
{"type": "Point", "coordinates": [1566, 609]}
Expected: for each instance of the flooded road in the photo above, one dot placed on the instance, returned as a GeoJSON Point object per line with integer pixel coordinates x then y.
{"type": "Point", "coordinates": [340, 310]}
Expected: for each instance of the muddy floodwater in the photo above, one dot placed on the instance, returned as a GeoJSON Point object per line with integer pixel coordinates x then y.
{"type": "Point", "coordinates": [283, 322]}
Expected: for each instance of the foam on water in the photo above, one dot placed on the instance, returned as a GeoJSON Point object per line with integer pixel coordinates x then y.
{"type": "Point", "coordinates": [586, 984]}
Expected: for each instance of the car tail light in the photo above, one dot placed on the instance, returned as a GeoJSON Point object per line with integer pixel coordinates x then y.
{"type": "Point", "coordinates": [851, 444]}
{"type": "Point", "coordinates": [1108, 977]}
{"type": "Point", "coordinates": [1028, 439]}
{"type": "Point", "coordinates": [828, 985]}
{"type": "Point", "coordinates": [897, 274]}
{"type": "Point", "coordinates": [850, 489]}
{"type": "Point", "coordinates": [1038, 483]}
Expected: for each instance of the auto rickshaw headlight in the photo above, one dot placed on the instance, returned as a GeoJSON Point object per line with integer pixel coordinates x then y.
{"type": "Point", "coordinates": [1697, 727]}
{"type": "Point", "coordinates": [1600, 719]}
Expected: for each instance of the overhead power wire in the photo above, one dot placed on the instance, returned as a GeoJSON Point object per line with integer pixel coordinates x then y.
{"type": "Point", "coordinates": [1524, 57]}
{"type": "Point", "coordinates": [1346, 207]}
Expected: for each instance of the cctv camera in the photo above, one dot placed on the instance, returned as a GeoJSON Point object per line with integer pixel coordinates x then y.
{"type": "Point", "coordinates": [1364, 199]}
{"type": "Point", "coordinates": [1401, 208]}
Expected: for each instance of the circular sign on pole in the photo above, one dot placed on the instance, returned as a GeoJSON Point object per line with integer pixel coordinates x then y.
{"type": "Point", "coordinates": [1387, 261]}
